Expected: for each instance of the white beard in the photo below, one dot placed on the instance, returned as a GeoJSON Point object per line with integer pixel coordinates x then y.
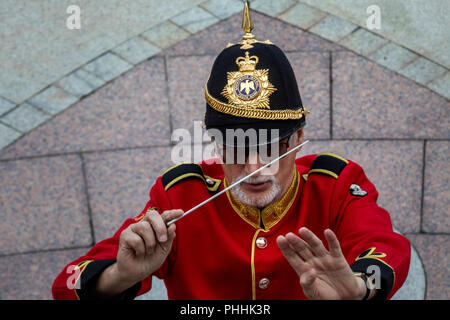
{"type": "Point", "coordinates": [260, 202]}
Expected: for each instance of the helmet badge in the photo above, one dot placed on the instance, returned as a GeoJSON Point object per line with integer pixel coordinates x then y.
{"type": "Point", "coordinates": [248, 87]}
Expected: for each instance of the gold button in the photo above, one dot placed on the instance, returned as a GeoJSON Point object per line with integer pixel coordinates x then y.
{"type": "Point", "coordinates": [261, 242]}
{"type": "Point", "coordinates": [263, 283]}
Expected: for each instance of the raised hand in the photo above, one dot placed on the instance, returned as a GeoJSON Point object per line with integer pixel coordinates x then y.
{"type": "Point", "coordinates": [324, 275]}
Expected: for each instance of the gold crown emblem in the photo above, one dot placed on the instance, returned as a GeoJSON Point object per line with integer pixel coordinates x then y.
{"type": "Point", "coordinates": [247, 63]}
{"type": "Point", "coordinates": [248, 87]}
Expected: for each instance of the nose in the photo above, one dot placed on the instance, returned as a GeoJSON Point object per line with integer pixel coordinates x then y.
{"type": "Point", "coordinates": [253, 163]}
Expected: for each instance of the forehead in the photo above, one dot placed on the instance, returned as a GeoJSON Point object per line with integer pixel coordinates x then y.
{"type": "Point", "coordinates": [250, 137]}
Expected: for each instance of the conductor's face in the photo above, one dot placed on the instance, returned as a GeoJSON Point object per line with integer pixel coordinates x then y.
{"type": "Point", "coordinates": [271, 183]}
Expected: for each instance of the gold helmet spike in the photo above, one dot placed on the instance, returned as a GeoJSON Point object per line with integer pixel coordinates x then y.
{"type": "Point", "coordinates": [247, 25]}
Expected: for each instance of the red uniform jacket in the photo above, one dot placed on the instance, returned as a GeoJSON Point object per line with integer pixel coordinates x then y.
{"type": "Point", "coordinates": [227, 250]}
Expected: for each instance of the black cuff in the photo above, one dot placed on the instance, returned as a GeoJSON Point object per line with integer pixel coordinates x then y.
{"type": "Point", "coordinates": [386, 275]}
{"type": "Point", "coordinates": [90, 275]}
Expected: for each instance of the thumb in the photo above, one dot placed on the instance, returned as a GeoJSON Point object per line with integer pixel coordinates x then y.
{"type": "Point", "coordinates": [307, 279]}
{"type": "Point", "coordinates": [166, 245]}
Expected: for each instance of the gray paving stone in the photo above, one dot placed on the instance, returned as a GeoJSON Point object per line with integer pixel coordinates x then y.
{"type": "Point", "coordinates": [145, 14]}
{"type": "Point", "coordinates": [223, 9]}
{"type": "Point", "coordinates": [393, 56]}
{"type": "Point", "coordinates": [53, 100]}
{"type": "Point", "coordinates": [165, 34]}
{"type": "Point", "coordinates": [373, 102]}
{"type": "Point", "coordinates": [94, 81]}
{"type": "Point", "coordinates": [129, 112]}
{"type": "Point", "coordinates": [270, 7]}
{"type": "Point", "coordinates": [158, 291]}
{"type": "Point", "coordinates": [302, 16]}
{"type": "Point", "coordinates": [7, 135]}
{"type": "Point", "coordinates": [436, 193]}
{"type": "Point", "coordinates": [25, 117]}
{"type": "Point", "coordinates": [441, 85]}
{"type": "Point", "coordinates": [74, 85]}
{"type": "Point", "coordinates": [23, 276]}
{"type": "Point", "coordinates": [129, 174]}
{"type": "Point", "coordinates": [43, 204]}
{"type": "Point", "coordinates": [195, 19]}
{"type": "Point", "coordinates": [5, 105]}
{"type": "Point", "coordinates": [41, 50]}
{"type": "Point", "coordinates": [108, 66]}
{"type": "Point", "coordinates": [136, 50]}
{"type": "Point", "coordinates": [363, 42]}
{"type": "Point", "coordinates": [333, 28]}
{"type": "Point", "coordinates": [187, 75]}
{"type": "Point", "coordinates": [80, 83]}
{"type": "Point", "coordinates": [422, 70]}
{"type": "Point", "coordinates": [414, 286]}
{"type": "Point", "coordinates": [434, 252]}
{"type": "Point", "coordinates": [416, 25]}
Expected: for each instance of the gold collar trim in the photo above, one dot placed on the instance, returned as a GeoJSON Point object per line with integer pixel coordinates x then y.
{"type": "Point", "coordinates": [271, 214]}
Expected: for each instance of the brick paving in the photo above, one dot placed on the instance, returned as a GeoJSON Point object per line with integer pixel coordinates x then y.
{"type": "Point", "coordinates": [78, 172]}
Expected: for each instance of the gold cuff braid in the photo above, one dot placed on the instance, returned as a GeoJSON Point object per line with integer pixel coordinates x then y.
{"type": "Point", "coordinates": [265, 114]}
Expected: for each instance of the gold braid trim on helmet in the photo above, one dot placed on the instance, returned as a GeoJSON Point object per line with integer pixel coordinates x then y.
{"type": "Point", "coordinates": [254, 113]}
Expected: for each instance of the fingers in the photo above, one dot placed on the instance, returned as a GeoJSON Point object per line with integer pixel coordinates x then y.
{"type": "Point", "coordinates": [144, 230]}
{"type": "Point", "coordinates": [171, 233]}
{"type": "Point", "coordinates": [133, 241]}
{"type": "Point", "coordinates": [333, 243]}
{"type": "Point", "coordinates": [158, 222]}
{"type": "Point", "coordinates": [143, 236]}
{"type": "Point", "coordinates": [306, 272]}
{"type": "Point", "coordinates": [290, 254]}
{"type": "Point", "coordinates": [315, 244]}
{"type": "Point", "coordinates": [310, 246]}
{"type": "Point", "coordinates": [169, 215]}
{"type": "Point", "coordinates": [300, 246]}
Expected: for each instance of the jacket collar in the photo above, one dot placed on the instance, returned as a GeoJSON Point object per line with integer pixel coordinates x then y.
{"type": "Point", "coordinates": [271, 214]}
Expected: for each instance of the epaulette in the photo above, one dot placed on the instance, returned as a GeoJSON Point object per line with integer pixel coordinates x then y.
{"type": "Point", "coordinates": [328, 164]}
{"type": "Point", "coordinates": [185, 171]}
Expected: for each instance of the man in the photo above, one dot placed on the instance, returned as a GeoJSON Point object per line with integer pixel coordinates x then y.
{"type": "Point", "coordinates": [303, 228]}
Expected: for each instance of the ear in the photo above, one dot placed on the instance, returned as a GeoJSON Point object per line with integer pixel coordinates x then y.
{"type": "Point", "coordinates": [300, 136]}
{"type": "Point", "coordinates": [216, 151]}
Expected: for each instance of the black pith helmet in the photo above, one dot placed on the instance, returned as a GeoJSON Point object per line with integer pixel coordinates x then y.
{"type": "Point", "coordinates": [252, 86]}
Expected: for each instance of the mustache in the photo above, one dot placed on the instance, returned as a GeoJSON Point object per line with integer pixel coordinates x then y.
{"type": "Point", "coordinates": [257, 179]}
